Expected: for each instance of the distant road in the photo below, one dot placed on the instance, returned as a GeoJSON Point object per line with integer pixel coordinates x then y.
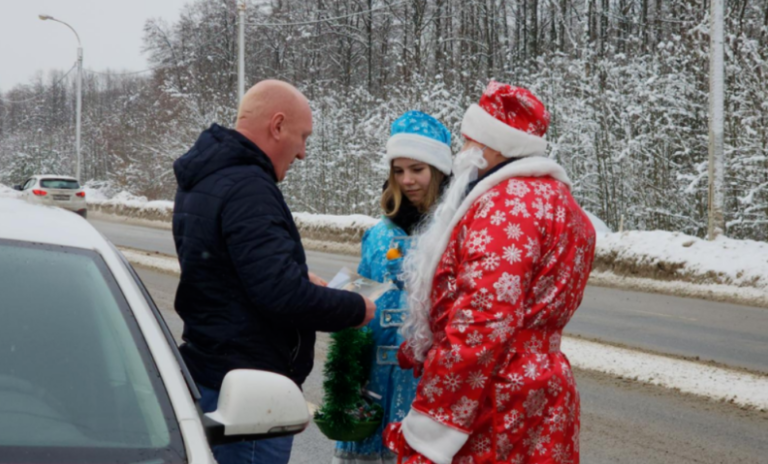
{"type": "Point", "coordinates": [728, 334]}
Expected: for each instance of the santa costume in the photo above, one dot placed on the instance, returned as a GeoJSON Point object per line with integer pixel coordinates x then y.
{"type": "Point", "coordinates": [496, 276]}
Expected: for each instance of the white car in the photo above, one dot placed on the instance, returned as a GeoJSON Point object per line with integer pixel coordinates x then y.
{"type": "Point", "coordinates": [89, 372]}
{"type": "Point", "coordinates": [62, 191]}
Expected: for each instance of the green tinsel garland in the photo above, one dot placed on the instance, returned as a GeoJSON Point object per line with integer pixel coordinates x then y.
{"type": "Point", "coordinates": [346, 371]}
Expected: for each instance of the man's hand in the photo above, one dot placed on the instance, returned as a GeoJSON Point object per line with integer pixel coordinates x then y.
{"type": "Point", "coordinates": [317, 280]}
{"type": "Point", "coordinates": [370, 311]}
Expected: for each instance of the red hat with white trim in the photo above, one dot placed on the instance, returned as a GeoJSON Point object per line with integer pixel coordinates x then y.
{"type": "Point", "coordinates": [508, 119]}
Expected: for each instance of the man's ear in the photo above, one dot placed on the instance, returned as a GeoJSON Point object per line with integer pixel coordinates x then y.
{"type": "Point", "coordinates": [277, 126]}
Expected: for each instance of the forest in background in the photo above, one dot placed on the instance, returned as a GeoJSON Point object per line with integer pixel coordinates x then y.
{"type": "Point", "coordinates": [626, 82]}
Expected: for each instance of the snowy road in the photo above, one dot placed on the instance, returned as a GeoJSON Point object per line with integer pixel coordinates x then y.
{"type": "Point", "coordinates": [622, 421]}
{"type": "Point", "coordinates": [728, 334]}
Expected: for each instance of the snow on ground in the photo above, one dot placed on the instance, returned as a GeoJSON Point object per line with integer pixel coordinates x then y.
{"type": "Point", "coordinates": [336, 222]}
{"type": "Point", "coordinates": [676, 256]}
{"type": "Point", "coordinates": [149, 260]}
{"type": "Point", "coordinates": [127, 201]}
{"type": "Point", "coordinates": [689, 377]}
{"type": "Point", "coordinates": [8, 192]}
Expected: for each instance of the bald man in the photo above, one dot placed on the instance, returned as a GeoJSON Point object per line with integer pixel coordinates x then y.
{"type": "Point", "coordinates": [246, 296]}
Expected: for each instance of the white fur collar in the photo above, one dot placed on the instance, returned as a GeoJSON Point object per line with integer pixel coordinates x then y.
{"type": "Point", "coordinates": [534, 166]}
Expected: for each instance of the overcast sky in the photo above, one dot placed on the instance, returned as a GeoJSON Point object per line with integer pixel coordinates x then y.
{"type": "Point", "coordinates": [110, 31]}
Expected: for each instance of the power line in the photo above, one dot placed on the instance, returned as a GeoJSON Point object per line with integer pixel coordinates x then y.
{"type": "Point", "coordinates": [298, 23]}
{"type": "Point", "coordinates": [128, 73]}
{"type": "Point", "coordinates": [322, 20]}
{"type": "Point", "coordinates": [40, 96]}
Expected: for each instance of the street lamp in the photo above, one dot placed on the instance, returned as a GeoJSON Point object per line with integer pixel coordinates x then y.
{"type": "Point", "coordinates": [79, 88]}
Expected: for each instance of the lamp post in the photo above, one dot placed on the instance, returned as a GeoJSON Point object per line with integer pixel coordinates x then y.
{"type": "Point", "coordinates": [79, 90]}
{"type": "Point", "coordinates": [240, 50]}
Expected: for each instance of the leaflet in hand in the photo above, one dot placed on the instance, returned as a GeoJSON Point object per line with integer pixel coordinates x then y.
{"type": "Point", "coordinates": [351, 281]}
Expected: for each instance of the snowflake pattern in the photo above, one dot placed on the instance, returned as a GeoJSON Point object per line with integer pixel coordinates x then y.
{"type": "Point", "coordinates": [536, 441]}
{"type": "Point", "coordinates": [481, 444]}
{"type": "Point", "coordinates": [498, 218]}
{"type": "Point", "coordinates": [513, 420]}
{"type": "Point", "coordinates": [471, 274]}
{"type": "Point", "coordinates": [478, 241]}
{"type": "Point", "coordinates": [452, 382]}
{"type": "Point", "coordinates": [533, 249]}
{"type": "Point", "coordinates": [517, 188]}
{"type": "Point", "coordinates": [508, 288]}
{"type": "Point", "coordinates": [482, 300]}
{"type": "Point", "coordinates": [513, 231]}
{"type": "Point", "coordinates": [491, 261]}
{"type": "Point", "coordinates": [477, 380]}
{"type": "Point", "coordinates": [464, 411]}
{"type": "Point", "coordinates": [518, 208]}
{"type": "Point", "coordinates": [543, 210]}
{"type": "Point", "coordinates": [513, 254]}
{"type": "Point", "coordinates": [512, 275]}
{"type": "Point", "coordinates": [475, 339]}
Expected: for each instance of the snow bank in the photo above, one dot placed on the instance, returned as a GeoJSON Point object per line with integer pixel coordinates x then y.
{"type": "Point", "coordinates": [672, 256]}
{"type": "Point", "coordinates": [126, 204]}
{"type": "Point", "coordinates": [8, 192]}
{"type": "Point", "coordinates": [716, 383]}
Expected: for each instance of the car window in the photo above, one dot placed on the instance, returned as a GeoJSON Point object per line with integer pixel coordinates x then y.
{"type": "Point", "coordinates": [77, 381]}
{"type": "Point", "coordinates": [28, 184]}
{"type": "Point", "coordinates": [60, 184]}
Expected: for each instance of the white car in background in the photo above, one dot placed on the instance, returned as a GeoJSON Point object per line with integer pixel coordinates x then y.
{"type": "Point", "coordinates": [62, 191]}
{"type": "Point", "coordinates": [90, 373]}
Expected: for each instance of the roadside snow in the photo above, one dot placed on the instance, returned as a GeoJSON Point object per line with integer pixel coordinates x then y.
{"type": "Point", "coordinates": [127, 201]}
{"type": "Point", "coordinates": [336, 222]}
{"type": "Point", "coordinates": [149, 260]}
{"type": "Point", "coordinates": [676, 256]}
{"type": "Point", "coordinates": [8, 192]}
{"type": "Point", "coordinates": [689, 377]}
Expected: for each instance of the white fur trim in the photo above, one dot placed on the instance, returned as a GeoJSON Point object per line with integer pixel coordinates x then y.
{"type": "Point", "coordinates": [512, 143]}
{"type": "Point", "coordinates": [420, 148]}
{"type": "Point", "coordinates": [434, 440]}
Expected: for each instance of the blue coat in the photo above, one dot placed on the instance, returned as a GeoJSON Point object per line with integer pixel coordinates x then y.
{"type": "Point", "coordinates": [244, 293]}
{"type": "Point", "coordinates": [396, 386]}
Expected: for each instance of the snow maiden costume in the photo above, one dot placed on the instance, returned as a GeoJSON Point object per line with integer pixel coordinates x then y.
{"type": "Point", "coordinates": [496, 276]}
{"type": "Point", "coordinates": [420, 137]}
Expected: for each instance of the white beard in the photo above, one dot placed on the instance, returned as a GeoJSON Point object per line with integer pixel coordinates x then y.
{"type": "Point", "coordinates": [421, 262]}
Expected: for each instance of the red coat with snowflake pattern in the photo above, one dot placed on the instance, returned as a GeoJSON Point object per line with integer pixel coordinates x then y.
{"type": "Point", "coordinates": [511, 277]}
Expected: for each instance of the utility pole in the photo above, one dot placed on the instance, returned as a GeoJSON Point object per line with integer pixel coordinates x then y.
{"type": "Point", "coordinates": [240, 50]}
{"type": "Point", "coordinates": [716, 225]}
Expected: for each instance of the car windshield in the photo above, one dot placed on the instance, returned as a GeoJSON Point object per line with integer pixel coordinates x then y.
{"type": "Point", "coordinates": [77, 381]}
{"type": "Point", "coordinates": [66, 184]}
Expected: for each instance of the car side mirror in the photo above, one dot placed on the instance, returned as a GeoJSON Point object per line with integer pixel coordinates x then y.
{"type": "Point", "coordinates": [255, 405]}
{"type": "Point", "coordinates": [17, 187]}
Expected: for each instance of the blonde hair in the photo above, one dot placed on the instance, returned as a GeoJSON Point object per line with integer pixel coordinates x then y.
{"type": "Point", "coordinates": [392, 198]}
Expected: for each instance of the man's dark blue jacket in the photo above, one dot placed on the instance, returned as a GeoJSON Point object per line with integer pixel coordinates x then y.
{"type": "Point", "coordinates": [244, 295]}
